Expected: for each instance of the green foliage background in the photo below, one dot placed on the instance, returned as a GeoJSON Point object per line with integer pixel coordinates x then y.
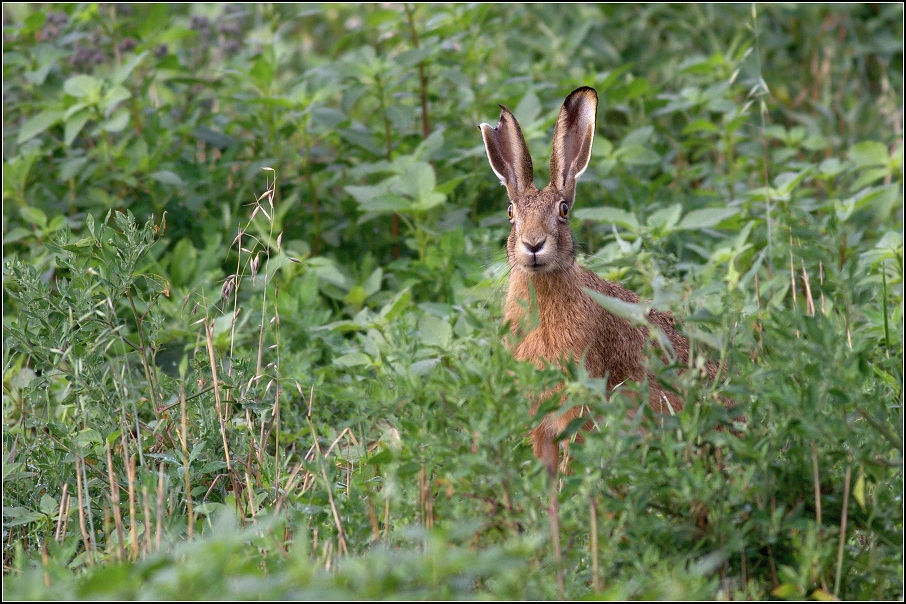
{"type": "Point", "coordinates": [253, 263]}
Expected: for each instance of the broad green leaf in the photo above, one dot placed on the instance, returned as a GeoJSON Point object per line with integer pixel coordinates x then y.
{"type": "Point", "coordinates": [18, 516]}
{"type": "Point", "coordinates": [117, 122]}
{"type": "Point", "coordinates": [639, 136]}
{"type": "Point", "coordinates": [34, 126]}
{"type": "Point", "coordinates": [88, 436]}
{"type": "Point", "coordinates": [167, 177]}
{"type": "Point", "coordinates": [34, 216]}
{"type": "Point", "coordinates": [637, 155]}
{"type": "Point", "coordinates": [353, 359]}
{"type": "Point", "coordinates": [81, 86]}
{"type": "Point", "coordinates": [615, 216]}
{"type": "Point", "coordinates": [665, 219]}
{"type": "Point", "coordinates": [528, 108]}
{"type": "Point", "coordinates": [705, 218]}
{"type": "Point", "coordinates": [700, 125]}
{"type": "Point", "coordinates": [122, 73]}
{"type": "Point", "coordinates": [399, 303]}
{"type": "Point", "coordinates": [373, 284]}
{"type": "Point", "coordinates": [74, 125]}
{"type": "Point", "coordinates": [49, 505]}
{"type": "Point", "coordinates": [869, 153]}
{"type": "Point", "coordinates": [112, 98]}
{"type": "Point", "coordinates": [434, 331]}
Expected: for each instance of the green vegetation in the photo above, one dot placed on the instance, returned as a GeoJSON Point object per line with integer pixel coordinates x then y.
{"type": "Point", "coordinates": [253, 267]}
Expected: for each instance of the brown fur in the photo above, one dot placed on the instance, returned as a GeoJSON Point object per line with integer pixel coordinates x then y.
{"type": "Point", "coordinates": [541, 254]}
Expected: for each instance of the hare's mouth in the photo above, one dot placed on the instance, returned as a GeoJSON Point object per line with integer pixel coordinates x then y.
{"type": "Point", "coordinates": [532, 263]}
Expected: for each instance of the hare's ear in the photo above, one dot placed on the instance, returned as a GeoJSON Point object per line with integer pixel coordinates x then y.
{"type": "Point", "coordinates": [573, 136]}
{"type": "Point", "coordinates": [508, 154]}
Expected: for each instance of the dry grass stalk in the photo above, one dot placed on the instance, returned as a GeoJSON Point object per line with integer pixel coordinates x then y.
{"type": "Point", "coordinates": [843, 519]}
{"type": "Point", "coordinates": [595, 569]}
{"type": "Point", "coordinates": [146, 509]}
{"type": "Point", "coordinates": [553, 514]}
{"type": "Point", "coordinates": [792, 272]}
{"type": "Point", "coordinates": [115, 505]}
{"type": "Point", "coordinates": [187, 475]}
{"type": "Point", "coordinates": [209, 338]}
{"type": "Point", "coordinates": [817, 480]}
{"type": "Point", "coordinates": [82, 526]}
{"type": "Point", "coordinates": [158, 535]}
{"type": "Point", "coordinates": [63, 516]}
{"type": "Point", "coordinates": [821, 284]}
{"type": "Point", "coordinates": [809, 302]}
{"type": "Point", "coordinates": [341, 537]}
{"type": "Point", "coordinates": [133, 529]}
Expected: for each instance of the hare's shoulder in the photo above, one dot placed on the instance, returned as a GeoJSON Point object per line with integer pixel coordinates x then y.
{"type": "Point", "coordinates": [614, 290]}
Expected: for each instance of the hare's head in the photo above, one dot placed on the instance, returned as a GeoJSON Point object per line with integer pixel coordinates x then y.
{"type": "Point", "coordinates": [540, 240]}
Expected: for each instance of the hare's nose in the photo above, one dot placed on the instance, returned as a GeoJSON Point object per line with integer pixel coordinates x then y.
{"type": "Point", "coordinates": [534, 246]}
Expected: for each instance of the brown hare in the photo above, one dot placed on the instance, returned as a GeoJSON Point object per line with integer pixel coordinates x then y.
{"type": "Point", "coordinates": [541, 255]}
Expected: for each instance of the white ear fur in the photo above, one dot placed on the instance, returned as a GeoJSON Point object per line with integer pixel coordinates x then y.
{"type": "Point", "coordinates": [573, 138]}
{"type": "Point", "coordinates": [508, 154]}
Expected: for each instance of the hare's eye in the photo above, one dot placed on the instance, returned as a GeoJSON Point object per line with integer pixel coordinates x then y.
{"type": "Point", "coordinates": [509, 211]}
{"type": "Point", "coordinates": [564, 210]}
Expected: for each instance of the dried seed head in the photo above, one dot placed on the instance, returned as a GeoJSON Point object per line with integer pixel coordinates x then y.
{"type": "Point", "coordinates": [228, 285]}
{"type": "Point", "coordinates": [279, 241]}
{"type": "Point", "coordinates": [254, 266]}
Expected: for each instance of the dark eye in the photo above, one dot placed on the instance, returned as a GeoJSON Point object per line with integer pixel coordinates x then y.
{"type": "Point", "coordinates": [564, 210]}
{"type": "Point", "coordinates": [509, 211]}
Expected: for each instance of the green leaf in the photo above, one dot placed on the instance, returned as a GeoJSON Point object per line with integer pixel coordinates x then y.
{"type": "Point", "coordinates": [373, 284]}
{"type": "Point", "coordinates": [81, 86]}
{"type": "Point", "coordinates": [34, 126]}
{"type": "Point", "coordinates": [616, 216]}
{"type": "Point", "coordinates": [34, 216]}
{"type": "Point", "coordinates": [700, 125]}
{"type": "Point", "coordinates": [396, 306]}
{"type": "Point", "coordinates": [434, 331]}
{"type": "Point", "coordinates": [117, 122]}
{"type": "Point", "coordinates": [122, 73]}
{"type": "Point", "coordinates": [167, 177]}
{"type": "Point", "coordinates": [528, 108]}
{"type": "Point", "coordinates": [869, 153]}
{"type": "Point", "coordinates": [19, 516]}
{"type": "Point", "coordinates": [74, 125]}
{"type": "Point", "coordinates": [353, 359]}
{"type": "Point", "coordinates": [637, 155]}
{"type": "Point", "coordinates": [705, 218]}
{"type": "Point", "coordinates": [665, 219]}
{"type": "Point", "coordinates": [113, 97]}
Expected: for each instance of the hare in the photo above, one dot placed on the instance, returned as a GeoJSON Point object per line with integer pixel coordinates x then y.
{"type": "Point", "coordinates": [541, 255]}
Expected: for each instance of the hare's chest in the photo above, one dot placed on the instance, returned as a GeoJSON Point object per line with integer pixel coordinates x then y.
{"type": "Point", "coordinates": [555, 341]}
